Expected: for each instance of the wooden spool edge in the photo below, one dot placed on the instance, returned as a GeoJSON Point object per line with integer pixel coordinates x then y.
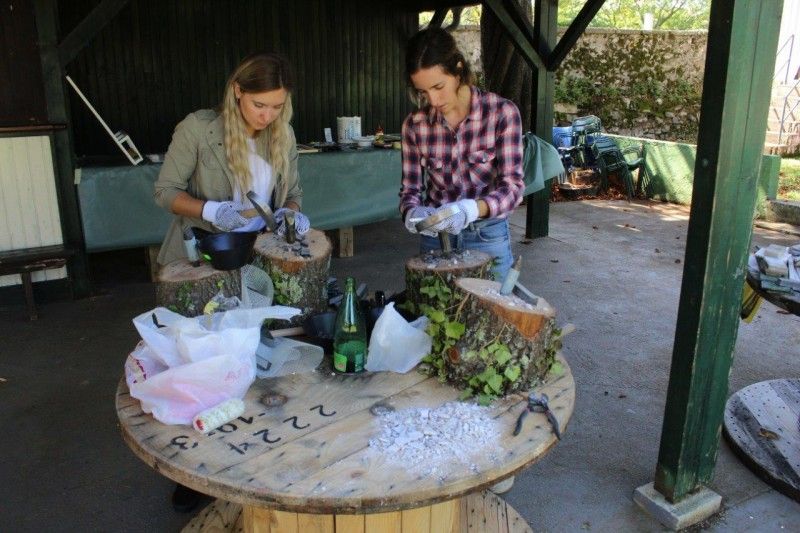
{"type": "Point", "coordinates": [755, 466]}
{"type": "Point", "coordinates": [231, 516]}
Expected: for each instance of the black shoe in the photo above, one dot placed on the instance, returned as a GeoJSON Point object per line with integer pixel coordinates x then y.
{"type": "Point", "coordinates": [184, 499]}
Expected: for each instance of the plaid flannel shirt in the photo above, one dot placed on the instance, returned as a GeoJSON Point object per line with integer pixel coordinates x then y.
{"type": "Point", "coordinates": [481, 159]}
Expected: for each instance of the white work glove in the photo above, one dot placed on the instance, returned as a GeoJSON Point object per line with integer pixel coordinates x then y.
{"type": "Point", "coordinates": [224, 215]}
{"type": "Point", "coordinates": [414, 215]}
{"type": "Point", "coordinates": [301, 222]}
{"type": "Point", "coordinates": [455, 224]}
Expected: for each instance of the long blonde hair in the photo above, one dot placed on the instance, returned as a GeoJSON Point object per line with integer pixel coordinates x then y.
{"type": "Point", "coordinates": [258, 73]}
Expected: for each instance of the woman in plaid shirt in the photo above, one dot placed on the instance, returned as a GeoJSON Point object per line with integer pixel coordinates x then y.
{"type": "Point", "coordinates": [468, 142]}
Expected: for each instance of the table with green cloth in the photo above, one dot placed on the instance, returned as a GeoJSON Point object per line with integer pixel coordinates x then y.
{"type": "Point", "coordinates": [340, 190]}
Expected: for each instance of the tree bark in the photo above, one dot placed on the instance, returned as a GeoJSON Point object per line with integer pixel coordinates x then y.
{"type": "Point", "coordinates": [185, 289]}
{"type": "Point", "coordinates": [525, 330]}
{"type": "Point", "coordinates": [422, 269]}
{"type": "Point", "coordinates": [300, 280]}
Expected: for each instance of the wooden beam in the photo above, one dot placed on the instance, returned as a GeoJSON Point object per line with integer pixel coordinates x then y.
{"type": "Point", "coordinates": [57, 113]}
{"type": "Point", "coordinates": [438, 17]}
{"type": "Point", "coordinates": [573, 32]}
{"type": "Point", "coordinates": [518, 38]}
{"type": "Point", "coordinates": [90, 26]}
{"type": "Point", "coordinates": [545, 28]}
{"type": "Point", "coordinates": [742, 42]}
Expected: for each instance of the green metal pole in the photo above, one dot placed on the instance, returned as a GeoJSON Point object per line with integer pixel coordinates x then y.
{"type": "Point", "coordinates": [545, 29]}
{"type": "Point", "coordinates": [742, 42]}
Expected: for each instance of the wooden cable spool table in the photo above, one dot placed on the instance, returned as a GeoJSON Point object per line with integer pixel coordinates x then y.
{"type": "Point", "coordinates": [761, 420]}
{"type": "Point", "coordinates": [306, 464]}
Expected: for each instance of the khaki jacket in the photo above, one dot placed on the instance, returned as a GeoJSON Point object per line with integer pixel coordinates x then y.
{"type": "Point", "coordinates": [196, 163]}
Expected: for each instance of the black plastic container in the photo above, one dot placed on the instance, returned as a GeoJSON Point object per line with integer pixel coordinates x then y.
{"type": "Point", "coordinates": [226, 251]}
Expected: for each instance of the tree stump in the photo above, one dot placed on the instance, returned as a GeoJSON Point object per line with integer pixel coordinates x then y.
{"type": "Point", "coordinates": [298, 271]}
{"type": "Point", "coordinates": [185, 289]}
{"type": "Point", "coordinates": [508, 345]}
{"type": "Point", "coordinates": [427, 273]}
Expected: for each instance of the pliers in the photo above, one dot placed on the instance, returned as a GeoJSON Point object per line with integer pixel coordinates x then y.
{"type": "Point", "coordinates": [538, 404]}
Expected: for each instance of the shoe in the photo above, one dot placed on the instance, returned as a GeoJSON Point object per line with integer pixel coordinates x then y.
{"type": "Point", "coordinates": [504, 486]}
{"type": "Point", "coordinates": [184, 499]}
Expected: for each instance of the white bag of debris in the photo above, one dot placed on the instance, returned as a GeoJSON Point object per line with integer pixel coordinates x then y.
{"type": "Point", "coordinates": [396, 345]}
{"type": "Point", "coordinates": [186, 365]}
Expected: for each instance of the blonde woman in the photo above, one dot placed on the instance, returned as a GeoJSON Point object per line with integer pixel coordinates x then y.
{"type": "Point", "coordinates": [217, 156]}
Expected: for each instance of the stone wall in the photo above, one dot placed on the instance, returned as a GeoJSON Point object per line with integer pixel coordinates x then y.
{"type": "Point", "coordinates": [641, 84]}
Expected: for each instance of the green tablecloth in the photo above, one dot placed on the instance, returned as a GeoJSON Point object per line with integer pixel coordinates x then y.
{"type": "Point", "coordinates": [340, 189]}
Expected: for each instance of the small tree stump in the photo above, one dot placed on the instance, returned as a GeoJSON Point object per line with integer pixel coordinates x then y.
{"type": "Point", "coordinates": [185, 289]}
{"type": "Point", "coordinates": [424, 270]}
{"type": "Point", "coordinates": [504, 332]}
{"type": "Point", "coordinates": [299, 273]}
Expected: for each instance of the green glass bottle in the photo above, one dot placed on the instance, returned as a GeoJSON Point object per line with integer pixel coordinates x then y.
{"type": "Point", "coordinates": [350, 337]}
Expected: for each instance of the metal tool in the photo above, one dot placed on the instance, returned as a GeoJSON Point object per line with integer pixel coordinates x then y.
{"type": "Point", "coordinates": [538, 404]}
{"type": "Point", "coordinates": [288, 222]}
{"type": "Point", "coordinates": [263, 209]}
{"type": "Point", "coordinates": [511, 277]}
{"type": "Point", "coordinates": [521, 292]}
{"type": "Point", "coordinates": [439, 216]}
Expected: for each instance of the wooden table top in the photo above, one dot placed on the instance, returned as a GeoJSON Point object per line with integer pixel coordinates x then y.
{"type": "Point", "coordinates": [312, 453]}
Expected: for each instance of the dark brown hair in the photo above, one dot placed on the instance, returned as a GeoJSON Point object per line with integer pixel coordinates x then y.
{"type": "Point", "coordinates": [435, 46]}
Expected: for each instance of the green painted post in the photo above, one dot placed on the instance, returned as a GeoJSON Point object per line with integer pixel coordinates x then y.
{"type": "Point", "coordinates": [742, 43]}
{"type": "Point", "coordinates": [545, 30]}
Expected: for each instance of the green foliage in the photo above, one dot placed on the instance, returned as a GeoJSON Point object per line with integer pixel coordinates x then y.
{"type": "Point", "coordinates": [499, 372]}
{"type": "Point", "coordinates": [789, 184]}
{"type": "Point", "coordinates": [667, 14]}
{"type": "Point", "coordinates": [629, 82]}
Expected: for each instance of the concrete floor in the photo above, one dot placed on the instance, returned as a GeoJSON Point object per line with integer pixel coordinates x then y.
{"type": "Point", "coordinates": [611, 268]}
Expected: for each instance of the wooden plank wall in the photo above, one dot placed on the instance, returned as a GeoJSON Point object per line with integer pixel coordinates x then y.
{"type": "Point", "coordinates": [21, 91]}
{"type": "Point", "coordinates": [28, 204]}
{"type": "Point", "coordinates": [159, 60]}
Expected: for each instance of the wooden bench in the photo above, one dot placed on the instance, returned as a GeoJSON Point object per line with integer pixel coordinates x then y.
{"type": "Point", "coordinates": [27, 260]}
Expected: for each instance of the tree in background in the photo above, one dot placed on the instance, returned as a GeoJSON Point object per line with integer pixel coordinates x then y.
{"type": "Point", "coordinates": [667, 14]}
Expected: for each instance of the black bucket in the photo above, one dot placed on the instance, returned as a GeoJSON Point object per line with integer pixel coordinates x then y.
{"type": "Point", "coordinates": [226, 251]}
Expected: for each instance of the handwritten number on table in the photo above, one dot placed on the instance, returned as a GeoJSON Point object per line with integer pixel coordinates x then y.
{"type": "Point", "coordinates": [294, 423]}
{"type": "Point", "coordinates": [322, 410]}
{"type": "Point", "coordinates": [265, 436]}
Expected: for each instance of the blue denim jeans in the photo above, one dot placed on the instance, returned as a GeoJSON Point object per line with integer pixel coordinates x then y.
{"type": "Point", "coordinates": [491, 236]}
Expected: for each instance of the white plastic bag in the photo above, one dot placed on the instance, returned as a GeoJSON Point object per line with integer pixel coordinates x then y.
{"type": "Point", "coordinates": [286, 356]}
{"type": "Point", "coordinates": [192, 364]}
{"type": "Point", "coordinates": [396, 345]}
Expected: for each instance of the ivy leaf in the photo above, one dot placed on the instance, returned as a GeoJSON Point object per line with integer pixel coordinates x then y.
{"type": "Point", "coordinates": [428, 291]}
{"type": "Point", "coordinates": [474, 381]}
{"type": "Point", "coordinates": [487, 374]}
{"type": "Point", "coordinates": [454, 330]}
{"type": "Point", "coordinates": [512, 373]}
{"type": "Point", "coordinates": [465, 394]}
{"type": "Point", "coordinates": [484, 399]}
{"type": "Point", "coordinates": [502, 355]}
{"type": "Point", "coordinates": [496, 383]}
{"type": "Point", "coordinates": [432, 329]}
{"type": "Point", "coordinates": [557, 368]}
{"type": "Point", "coordinates": [437, 316]}
{"type": "Point", "coordinates": [493, 347]}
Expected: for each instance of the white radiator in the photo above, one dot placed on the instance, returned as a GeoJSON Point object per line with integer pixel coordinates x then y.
{"type": "Point", "coordinates": [28, 206]}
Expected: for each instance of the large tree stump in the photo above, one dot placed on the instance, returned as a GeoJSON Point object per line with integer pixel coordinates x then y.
{"type": "Point", "coordinates": [427, 273]}
{"type": "Point", "coordinates": [185, 289]}
{"type": "Point", "coordinates": [298, 271]}
{"type": "Point", "coordinates": [504, 336]}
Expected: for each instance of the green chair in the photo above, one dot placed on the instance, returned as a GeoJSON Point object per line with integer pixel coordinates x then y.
{"type": "Point", "coordinates": [610, 159]}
